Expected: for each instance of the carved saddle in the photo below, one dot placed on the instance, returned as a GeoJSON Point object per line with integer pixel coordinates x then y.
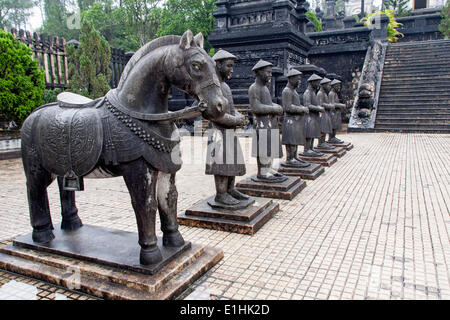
{"type": "Point", "coordinates": [71, 137]}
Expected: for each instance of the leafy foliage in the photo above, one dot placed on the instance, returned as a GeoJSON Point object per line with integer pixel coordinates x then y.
{"type": "Point", "coordinates": [56, 16]}
{"type": "Point", "coordinates": [143, 18]}
{"type": "Point", "coordinates": [444, 26]}
{"type": "Point", "coordinates": [313, 18]}
{"type": "Point", "coordinates": [178, 15]}
{"type": "Point", "coordinates": [21, 81]}
{"type": "Point", "coordinates": [399, 7]}
{"type": "Point", "coordinates": [15, 13]}
{"type": "Point", "coordinates": [392, 33]}
{"type": "Point", "coordinates": [111, 21]}
{"type": "Point", "coordinates": [89, 71]}
{"type": "Point", "coordinates": [50, 95]}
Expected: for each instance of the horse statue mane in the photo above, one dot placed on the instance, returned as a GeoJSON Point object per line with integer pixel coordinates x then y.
{"type": "Point", "coordinates": [143, 51]}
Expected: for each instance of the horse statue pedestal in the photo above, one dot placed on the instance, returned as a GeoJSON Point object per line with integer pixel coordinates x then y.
{"type": "Point", "coordinates": [104, 263]}
{"type": "Point", "coordinates": [247, 220]}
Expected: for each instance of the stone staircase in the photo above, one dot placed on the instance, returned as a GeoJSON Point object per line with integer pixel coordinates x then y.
{"type": "Point", "coordinates": [415, 89]}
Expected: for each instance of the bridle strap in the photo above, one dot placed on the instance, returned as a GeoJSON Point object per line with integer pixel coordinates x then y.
{"type": "Point", "coordinates": [186, 113]}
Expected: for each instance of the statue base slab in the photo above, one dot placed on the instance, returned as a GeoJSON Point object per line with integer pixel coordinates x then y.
{"type": "Point", "coordinates": [338, 151]}
{"type": "Point", "coordinates": [311, 172]}
{"type": "Point", "coordinates": [105, 263]}
{"type": "Point", "coordinates": [244, 221]}
{"type": "Point", "coordinates": [327, 160]}
{"type": "Point", "coordinates": [285, 190]}
{"type": "Point", "coordinates": [346, 145]}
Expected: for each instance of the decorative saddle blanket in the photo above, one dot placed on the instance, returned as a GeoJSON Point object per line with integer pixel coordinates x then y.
{"type": "Point", "coordinates": [71, 139]}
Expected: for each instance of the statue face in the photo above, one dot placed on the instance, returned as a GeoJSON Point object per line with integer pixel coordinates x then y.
{"type": "Point", "coordinates": [337, 87]}
{"type": "Point", "coordinates": [225, 68]}
{"type": "Point", "coordinates": [315, 84]}
{"type": "Point", "coordinates": [295, 81]}
{"type": "Point", "coordinates": [265, 74]}
{"type": "Point", "coordinates": [326, 86]}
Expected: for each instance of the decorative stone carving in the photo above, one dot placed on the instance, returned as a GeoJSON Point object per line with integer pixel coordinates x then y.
{"type": "Point", "coordinates": [366, 100]}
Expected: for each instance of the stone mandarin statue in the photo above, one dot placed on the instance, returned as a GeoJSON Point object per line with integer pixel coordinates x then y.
{"type": "Point", "coordinates": [293, 132]}
{"type": "Point", "coordinates": [337, 114]}
{"type": "Point", "coordinates": [313, 119]}
{"type": "Point", "coordinates": [225, 159]}
{"type": "Point", "coordinates": [266, 140]}
{"type": "Point", "coordinates": [326, 124]}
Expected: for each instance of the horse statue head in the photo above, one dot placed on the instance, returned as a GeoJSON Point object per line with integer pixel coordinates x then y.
{"type": "Point", "coordinates": [145, 83]}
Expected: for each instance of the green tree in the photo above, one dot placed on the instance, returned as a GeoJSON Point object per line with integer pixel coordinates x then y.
{"type": "Point", "coordinates": [22, 83]}
{"type": "Point", "coordinates": [399, 7]}
{"type": "Point", "coordinates": [112, 23]}
{"type": "Point", "coordinates": [56, 15]}
{"type": "Point", "coordinates": [85, 4]}
{"type": "Point", "coordinates": [444, 26]}
{"type": "Point", "coordinates": [143, 19]}
{"type": "Point", "coordinates": [89, 71]}
{"type": "Point", "coordinates": [15, 13]}
{"type": "Point", "coordinates": [180, 15]}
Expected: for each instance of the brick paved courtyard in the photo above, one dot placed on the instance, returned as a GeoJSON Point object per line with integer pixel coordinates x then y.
{"type": "Point", "coordinates": [374, 226]}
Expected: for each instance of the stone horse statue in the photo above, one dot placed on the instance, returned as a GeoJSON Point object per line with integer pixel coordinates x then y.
{"type": "Point", "coordinates": [128, 133]}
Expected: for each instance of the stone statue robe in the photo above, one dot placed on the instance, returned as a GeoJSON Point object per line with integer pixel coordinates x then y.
{"type": "Point", "coordinates": [326, 124]}
{"type": "Point", "coordinates": [312, 119]}
{"type": "Point", "coordinates": [224, 154]}
{"type": "Point", "coordinates": [266, 140]}
{"type": "Point", "coordinates": [293, 132]}
{"type": "Point", "coordinates": [337, 114]}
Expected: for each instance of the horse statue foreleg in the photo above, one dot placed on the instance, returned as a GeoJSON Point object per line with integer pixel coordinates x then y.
{"type": "Point", "coordinates": [141, 182]}
{"type": "Point", "coordinates": [167, 204]}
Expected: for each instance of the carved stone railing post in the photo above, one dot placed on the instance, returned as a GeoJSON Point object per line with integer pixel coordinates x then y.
{"type": "Point", "coordinates": [365, 106]}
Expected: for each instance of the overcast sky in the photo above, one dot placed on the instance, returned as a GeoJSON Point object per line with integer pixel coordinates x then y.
{"type": "Point", "coordinates": [35, 20]}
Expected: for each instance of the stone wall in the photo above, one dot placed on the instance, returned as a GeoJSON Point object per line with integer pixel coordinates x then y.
{"type": "Point", "coordinates": [421, 27]}
{"type": "Point", "coordinates": [341, 52]}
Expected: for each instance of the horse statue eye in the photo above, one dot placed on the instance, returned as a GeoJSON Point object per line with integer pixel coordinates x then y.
{"type": "Point", "coordinates": [196, 66]}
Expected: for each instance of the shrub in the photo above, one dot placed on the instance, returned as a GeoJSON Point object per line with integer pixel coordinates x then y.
{"type": "Point", "coordinates": [89, 71]}
{"type": "Point", "coordinates": [313, 18]}
{"type": "Point", "coordinates": [50, 95]}
{"type": "Point", "coordinates": [392, 32]}
{"type": "Point", "coordinates": [444, 26]}
{"type": "Point", "coordinates": [22, 83]}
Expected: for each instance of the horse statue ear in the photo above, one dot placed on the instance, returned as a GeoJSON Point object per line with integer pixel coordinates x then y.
{"type": "Point", "coordinates": [199, 40]}
{"type": "Point", "coordinates": [187, 40]}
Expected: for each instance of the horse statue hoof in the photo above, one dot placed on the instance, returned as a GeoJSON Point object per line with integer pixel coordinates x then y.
{"type": "Point", "coordinates": [150, 256]}
{"type": "Point", "coordinates": [43, 236]}
{"type": "Point", "coordinates": [173, 239]}
{"type": "Point", "coordinates": [72, 224]}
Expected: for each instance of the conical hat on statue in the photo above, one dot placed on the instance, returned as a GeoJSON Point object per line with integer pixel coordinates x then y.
{"type": "Point", "coordinates": [261, 64]}
{"type": "Point", "coordinates": [293, 72]}
{"type": "Point", "coordinates": [335, 81]}
{"type": "Point", "coordinates": [314, 77]}
{"type": "Point", "coordinates": [222, 55]}
{"type": "Point", "coordinates": [325, 80]}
